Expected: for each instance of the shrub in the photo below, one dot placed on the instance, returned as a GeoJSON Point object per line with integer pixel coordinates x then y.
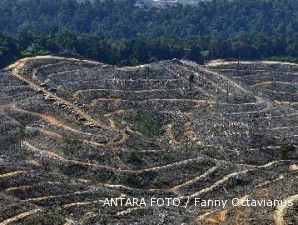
{"type": "Point", "coordinates": [135, 159]}
{"type": "Point", "coordinates": [191, 78]}
{"type": "Point", "coordinates": [54, 216]}
{"type": "Point", "coordinates": [147, 126]}
{"type": "Point", "coordinates": [141, 180]}
{"type": "Point", "coordinates": [212, 153]}
{"type": "Point", "coordinates": [286, 150]}
{"type": "Point", "coordinates": [71, 144]}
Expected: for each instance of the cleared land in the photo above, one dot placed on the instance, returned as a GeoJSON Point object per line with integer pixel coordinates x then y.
{"type": "Point", "coordinates": [74, 132]}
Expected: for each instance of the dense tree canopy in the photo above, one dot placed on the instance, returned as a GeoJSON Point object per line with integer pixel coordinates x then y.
{"type": "Point", "coordinates": [120, 33]}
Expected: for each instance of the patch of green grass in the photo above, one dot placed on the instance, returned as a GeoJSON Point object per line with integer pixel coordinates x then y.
{"type": "Point", "coordinates": [147, 126]}
{"type": "Point", "coordinates": [64, 92]}
{"type": "Point", "coordinates": [70, 140]}
{"type": "Point", "coordinates": [71, 145]}
{"type": "Point", "coordinates": [54, 216]}
{"type": "Point", "coordinates": [86, 98]}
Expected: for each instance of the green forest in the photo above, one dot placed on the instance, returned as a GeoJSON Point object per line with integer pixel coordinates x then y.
{"type": "Point", "coordinates": [117, 32]}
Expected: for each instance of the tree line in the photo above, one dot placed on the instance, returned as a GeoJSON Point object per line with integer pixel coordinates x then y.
{"type": "Point", "coordinates": [119, 33]}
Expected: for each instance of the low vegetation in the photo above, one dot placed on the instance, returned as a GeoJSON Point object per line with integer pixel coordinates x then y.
{"type": "Point", "coordinates": [148, 134]}
{"type": "Point", "coordinates": [147, 126]}
{"type": "Point", "coordinates": [286, 151]}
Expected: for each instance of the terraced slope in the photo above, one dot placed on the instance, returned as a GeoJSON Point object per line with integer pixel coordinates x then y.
{"type": "Point", "coordinates": [74, 132]}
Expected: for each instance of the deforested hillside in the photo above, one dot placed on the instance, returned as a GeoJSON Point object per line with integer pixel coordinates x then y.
{"type": "Point", "coordinates": [75, 132]}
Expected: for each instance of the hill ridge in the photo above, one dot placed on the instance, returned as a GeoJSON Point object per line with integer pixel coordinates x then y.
{"type": "Point", "coordinates": [79, 131]}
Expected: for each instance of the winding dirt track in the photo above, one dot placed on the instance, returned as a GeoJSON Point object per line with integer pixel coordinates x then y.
{"type": "Point", "coordinates": [221, 62]}
{"type": "Point", "coordinates": [11, 174]}
{"type": "Point", "coordinates": [229, 176]}
{"type": "Point", "coordinates": [56, 122]}
{"type": "Point", "coordinates": [56, 156]}
{"type": "Point", "coordinates": [208, 172]}
{"type": "Point", "coordinates": [20, 216]}
{"type": "Point", "coordinates": [114, 112]}
{"type": "Point", "coordinates": [280, 212]}
{"type": "Point", "coordinates": [16, 71]}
